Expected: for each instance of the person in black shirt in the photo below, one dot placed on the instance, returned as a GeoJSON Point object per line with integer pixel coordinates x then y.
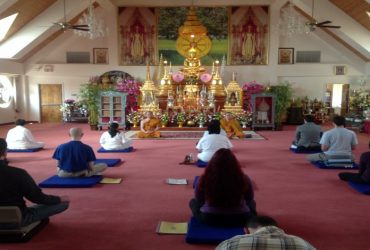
{"type": "Point", "coordinates": [16, 184]}
{"type": "Point", "coordinates": [363, 176]}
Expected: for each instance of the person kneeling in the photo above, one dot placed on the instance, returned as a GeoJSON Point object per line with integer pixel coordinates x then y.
{"type": "Point", "coordinates": [21, 137]}
{"type": "Point", "coordinates": [224, 195]}
{"type": "Point", "coordinates": [113, 139]}
{"type": "Point", "coordinates": [76, 159]}
{"type": "Point", "coordinates": [231, 126]}
{"type": "Point", "coordinates": [149, 127]}
{"type": "Point", "coordinates": [16, 184]}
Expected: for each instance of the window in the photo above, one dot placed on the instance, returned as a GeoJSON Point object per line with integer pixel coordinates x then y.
{"type": "Point", "coordinates": [6, 92]}
{"type": "Point", "coordinates": [5, 25]}
{"type": "Point", "coordinates": [336, 101]}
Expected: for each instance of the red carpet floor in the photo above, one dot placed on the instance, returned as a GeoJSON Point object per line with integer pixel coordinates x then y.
{"type": "Point", "coordinates": [306, 201]}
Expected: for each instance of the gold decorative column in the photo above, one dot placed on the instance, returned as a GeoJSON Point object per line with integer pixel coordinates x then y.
{"type": "Point", "coordinates": [148, 95]}
{"type": "Point", "coordinates": [234, 97]}
{"type": "Point", "coordinates": [217, 89]}
{"type": "Point", "coordinates": [165, 88]}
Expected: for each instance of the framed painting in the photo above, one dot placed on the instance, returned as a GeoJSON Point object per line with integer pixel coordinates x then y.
{"type": "Point", "coordinates": [340, 70]}
{"type": "Point", "coordinates": [249, 35]}
{"type": "Point", "coordinates": [137, 35]}
{"type": "Point", "coordinates": [286, 56]}
{"type": "Point", "coordinates": [100, 56]}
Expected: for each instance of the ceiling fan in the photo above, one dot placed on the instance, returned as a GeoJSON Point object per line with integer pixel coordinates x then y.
{"type": "Point", "coordinates": [66, 25]}
{"type": "Point", "coordinates": [313, 24]}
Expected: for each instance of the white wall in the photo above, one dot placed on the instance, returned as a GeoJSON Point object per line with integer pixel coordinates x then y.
{"type": "Point", "coordinates": [307, 79]}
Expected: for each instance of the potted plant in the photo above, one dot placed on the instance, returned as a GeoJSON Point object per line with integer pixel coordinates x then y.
{"type": "Point", "coordinates": [164, 119]}
{"type": "Point", "coordinates": [180, 118]}
{"type": "Point", "coordinates": [201, 119]}
{"type": "Point", "coordinates": [89, 94]}
{"type": "Point", "coordinates": [283, 93]}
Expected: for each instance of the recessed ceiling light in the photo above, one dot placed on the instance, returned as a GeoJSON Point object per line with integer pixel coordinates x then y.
{"type": "Point", "coordinates": [368, 13]}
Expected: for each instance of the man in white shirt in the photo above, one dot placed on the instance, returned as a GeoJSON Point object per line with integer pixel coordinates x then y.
{"type": "Point", "coordinates": [212, 142]}
{"type": "Point", "coordinates": [336, 143]}
{"type": "Point", "coordinates": [21, 137]}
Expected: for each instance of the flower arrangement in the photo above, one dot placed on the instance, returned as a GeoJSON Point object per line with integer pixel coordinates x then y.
{"type": "Point", "coordinates": [165, 117]}
{"type": "Point", "coordinates": [180, 117]}
{"type": "Point", "coordinates": [69, 101]}
{"type": "Point", "coordinates": [245, 117]}
{"type": "Point", "coordinates": [201, 118]}
{"type": "Point", "coordinates": [250, 88]}
{"type": "Point", "coordinates": [132, 88]}
{"type": "Point", "coordinates": [134, 117]}
{"type": "Point", "coordinates": [360, 100]}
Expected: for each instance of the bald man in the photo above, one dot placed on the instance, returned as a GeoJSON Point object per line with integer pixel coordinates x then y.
{"type": "Point", "coordinates": [76, 159]}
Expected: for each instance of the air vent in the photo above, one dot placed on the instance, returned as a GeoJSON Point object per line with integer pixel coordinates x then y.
{"type": "Point", "coordinates": [308, 57]}
{"type": "Point", "coordinates": [78, 57]}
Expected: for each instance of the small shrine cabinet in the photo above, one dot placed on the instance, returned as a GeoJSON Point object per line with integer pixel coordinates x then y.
{"type": "Point", "coordinates": [112, 107]}
{"type": "Point", "coordinates": [263, 107]}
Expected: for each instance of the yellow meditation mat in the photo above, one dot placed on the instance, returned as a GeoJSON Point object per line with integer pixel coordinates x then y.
{"type": "Point", "coordinates": [165, 227]}
{"type": "Point", "coordinates": [108, 180]}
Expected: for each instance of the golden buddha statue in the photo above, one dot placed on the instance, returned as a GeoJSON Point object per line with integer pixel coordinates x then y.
{"type": "Point", "coordinates": [192, 64]}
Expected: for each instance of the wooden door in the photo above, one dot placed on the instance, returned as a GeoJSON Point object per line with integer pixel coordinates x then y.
{"type": "Point", "coordinates": [50, 101]}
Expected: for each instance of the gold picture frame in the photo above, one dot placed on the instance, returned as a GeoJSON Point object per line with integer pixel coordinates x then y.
{"type": "Point", "coordinates": [286, 56]}
{"type": "Point", "coordinates": [100, 55]}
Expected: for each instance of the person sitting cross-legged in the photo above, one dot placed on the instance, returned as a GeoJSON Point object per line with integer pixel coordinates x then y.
{"type": "Point", "coordinates": [113, 139]}
{"type": "Point", "coordinates": [224, 195]}
{"type": "Point", "coordinates": [336, 143]}
{"type": "Point", "coordinates": [16, 184]}
{"type": "Point", "coordinates": [76, 159]}
{"type": "Point", "coordinates": [231, 126]}
{"type": "Point", "coordinates": [149, 127]}
{"type": "Point", "coordinates": [263, 233]}
{"type": "Point", "coordinates": [363, 176]}
{"type": "Point", "coordinates": [307, 136]}
{"type": "Point", "coordinates": [21, 137]}
{"type": "Point", "coordinates": [212, 141]}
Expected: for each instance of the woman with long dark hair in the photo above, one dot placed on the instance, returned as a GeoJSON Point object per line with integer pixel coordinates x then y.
{"type": "Point", "coordinates": [224, 195]}
{"type": "Point", "coordinates": [113, 139]}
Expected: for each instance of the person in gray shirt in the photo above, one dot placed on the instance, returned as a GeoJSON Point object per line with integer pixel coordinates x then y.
{"type": "Point", "coordinates": [307, 136]}
{"type": "Point", "coordinates": [336, 143]}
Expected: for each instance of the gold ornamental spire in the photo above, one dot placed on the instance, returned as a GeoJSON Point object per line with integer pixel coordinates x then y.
{"type": "Point", "coordinates": [192, 26]}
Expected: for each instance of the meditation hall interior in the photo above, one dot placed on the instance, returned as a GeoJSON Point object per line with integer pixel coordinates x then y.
{"type": "Point", "coordinates": [185, 88]}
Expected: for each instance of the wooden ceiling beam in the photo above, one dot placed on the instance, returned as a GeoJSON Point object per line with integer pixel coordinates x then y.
{"type": "Point", "coordinates": [52, 37]}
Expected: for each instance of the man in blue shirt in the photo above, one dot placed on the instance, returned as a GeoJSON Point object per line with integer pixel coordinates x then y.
{"type": "Point", "coordinates": [336, 143]}
{"type": "Point", "coordinates": [76, 159]}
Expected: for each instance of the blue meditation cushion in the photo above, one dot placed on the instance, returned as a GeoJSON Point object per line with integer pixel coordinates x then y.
{"type": "Point", "coordinates": [362, 188]}
{"type": "Point", "coordinates": [195, 182]}
{"type": "Point", "coordinates": [324, 165]}
{"type": "Point", "coordinates": [331, 161]}
{"type": "Point", "coordinates": [71, 182]}
{"type": "Point", "coordinates": [31, 150]}
{"type": "Point", "coordinates": [201, 164]}
{"type": "Point", "coordinates": [202, 233]}
{"type": "Point", "coordinates": [126, 150]}
{"type": "Point", "coordinates": [301, 151]}
{"type": "Point", "coordinates": [109, 162]}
